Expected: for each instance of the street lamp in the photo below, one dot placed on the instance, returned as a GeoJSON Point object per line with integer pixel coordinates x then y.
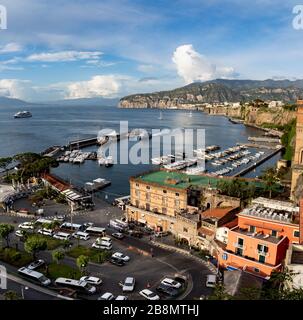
{"type": "Point", "coordinates": [23, 288]}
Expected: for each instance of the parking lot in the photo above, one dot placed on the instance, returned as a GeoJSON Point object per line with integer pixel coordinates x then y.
{"type": "Point", "coordinates": [146, 269]}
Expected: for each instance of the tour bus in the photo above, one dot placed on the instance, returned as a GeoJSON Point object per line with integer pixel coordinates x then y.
{"type": "Point", "coordinates": [78, 285]}
{"type": "Point", "coordinates": [62, 236]}
{"type": "Point", "coordinates": [34, 275]}
{"type": "Point", "coordinates": [71, 227]}
{"type": "Point", "coordinates": [96, 231]}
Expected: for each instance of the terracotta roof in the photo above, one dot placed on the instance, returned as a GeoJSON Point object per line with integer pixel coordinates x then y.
{"type": "Point", "coordinates": [206, 231]}
{"type": "Point", "coordinates": [231, 224]}
{"type": "Point", "coordinates": [217, 212]}
{"type": "Point", "coordinates": [57, 183]}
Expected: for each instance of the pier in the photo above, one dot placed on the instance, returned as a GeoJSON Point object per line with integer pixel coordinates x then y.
{"type": "Point", "coordinates": [257, 163]}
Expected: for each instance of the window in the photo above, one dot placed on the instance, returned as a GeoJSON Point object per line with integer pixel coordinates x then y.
{"type": "Point", "coordinates": [240, 242]}
{"type": "Point", "coordinates": [257, 270]}
{"type": "Point", "coordinates": [252, 229]}
{"type": "Point", "coordinates": [147, 206]}
{"type": "Point", "coordinates": [262, 249]}
{"type": "Point", "coordinates": [261, 258]}
{"type": "Point", "coordinates": [185, 230]}
{"type": "Point", "coordinates": [147, 187]}
{"type": "Point", "coordinates": [164, 191]}
{"type": "Point", "coordinates": [137, 192]}
{"type": "Point", "coordinates": [296, 234]}
{"type": "Point", "coordinates": [147, 196]}
{"type": "Point", "coordinates": [164, 210]}
{"type": "Point", "coordinates": [137, 184]}
{"type": "Point", "coordinates": [274, 233]}
{"type": "Point", "coordinates": [177, 194]}
{"type": "Point", "coordinates": [177, 203]}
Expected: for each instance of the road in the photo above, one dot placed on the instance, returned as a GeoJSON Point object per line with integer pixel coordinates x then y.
{"type": "Point", "coordinates": [147, 270]}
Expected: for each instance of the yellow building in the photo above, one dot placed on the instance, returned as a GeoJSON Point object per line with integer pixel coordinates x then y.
{"type": "Point", "coordinates": [297, 165]}
{"type": "Point", "coordinates": [170, 201]}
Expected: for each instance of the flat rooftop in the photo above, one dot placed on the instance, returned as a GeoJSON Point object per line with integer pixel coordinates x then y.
{"type": "Point", "coordinates": [260, 236]}
{"type": "Point", "coordinates": [181, 180]}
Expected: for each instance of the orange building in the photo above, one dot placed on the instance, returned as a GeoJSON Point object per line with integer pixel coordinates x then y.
{"type": "Point", "coordinates": [258, 244]}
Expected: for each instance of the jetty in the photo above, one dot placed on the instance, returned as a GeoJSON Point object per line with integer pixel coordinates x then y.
{"type": "Point", "coordinates": [257, 163]}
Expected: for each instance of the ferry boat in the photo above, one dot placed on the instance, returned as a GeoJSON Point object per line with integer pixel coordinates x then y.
{"type": "Point", "coordinates": [23, 114]}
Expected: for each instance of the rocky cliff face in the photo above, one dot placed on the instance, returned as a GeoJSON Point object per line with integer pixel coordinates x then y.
{"type": "Point", "coordinates": [217, 91]}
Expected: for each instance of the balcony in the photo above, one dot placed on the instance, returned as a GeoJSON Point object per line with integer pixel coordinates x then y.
{"type": "Point", "coordinates": [240, 246]}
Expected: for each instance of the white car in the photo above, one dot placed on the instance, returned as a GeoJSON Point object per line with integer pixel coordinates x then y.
{"type": "Point", "coordinates": [20, 233]}
{"type": "Point", "coordinates": [46, 232]}
{"type": "Point", "coordinates": [149, 295]}
{"type": "Point", "coordinates": [107, 296]}
{"type": "Point", "coordinates": [92, 280]}
{"type": "Point", "coordinates": [26, 225]}
{"type": "Point", "coordinates": [121, 256]}
{"type": "Point", "coordinates": [129, 284]}
{"type": "Point", "coordinates": [121, 298]}
{"type": "Point", "coordinates": [171, 283]}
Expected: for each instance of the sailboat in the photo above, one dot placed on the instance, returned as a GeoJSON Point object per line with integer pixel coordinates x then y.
{"type": "Point", "coordinates": [160, 116]}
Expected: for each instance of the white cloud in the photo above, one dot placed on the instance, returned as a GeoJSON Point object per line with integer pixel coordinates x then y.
{"type": "Point", "coordinates": [193, 66]}
{"type": "Point", "coordinates": [64, 56]}
{"type": "Point", "coordinates": [98, 86]}
{"type": "Point", "coordinates": [15, 88]}
{"type": "Point", "coordinates": [11, 47]}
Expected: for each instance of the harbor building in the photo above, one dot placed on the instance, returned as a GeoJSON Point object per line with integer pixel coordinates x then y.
{"type": "Point", "coordinates": [259, 242]}
{"type": "Point", "coordinates": [188, 206]}
{"type": "Point", "coordinates": [297, 164]}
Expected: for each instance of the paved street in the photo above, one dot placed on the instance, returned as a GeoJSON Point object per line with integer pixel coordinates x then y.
{"type": "Point", "coordinates": [147, 270]}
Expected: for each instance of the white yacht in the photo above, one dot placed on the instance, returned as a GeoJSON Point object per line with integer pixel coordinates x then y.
{"type": "Point", "coordinates": [23, 114]}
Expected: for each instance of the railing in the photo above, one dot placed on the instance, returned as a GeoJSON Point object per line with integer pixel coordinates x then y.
{"type": "Point", "coordinates": [238, 245]}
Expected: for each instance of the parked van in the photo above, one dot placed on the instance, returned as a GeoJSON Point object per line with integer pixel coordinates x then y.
{"type": "Point", "coordinates": [46, 232]}
{"type": "Point", "coordinates": [102, 245]}
{"type": "Point", "coordinates": [81, 235]}
{"type": "Point", "coordinates": [62, 236]}
{"type": "Point", "coordinates": [211, 281]}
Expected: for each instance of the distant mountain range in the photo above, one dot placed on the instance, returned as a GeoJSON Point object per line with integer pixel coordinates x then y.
{"type": "Point", "coordinates": [10, 102]}
{"type": "Point", "coordinates": [218, 91]}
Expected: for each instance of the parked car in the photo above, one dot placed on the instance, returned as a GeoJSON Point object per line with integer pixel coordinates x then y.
{"type": "Point", "coordinates": [59, 218]}
{"type": "Point", "coordinates": [107, 296]}
{"type": "Point", "coordinates": [117, 261]}
{"type": "Point", "coordinates": [26, 225]}
{"type": "Point", "coordinates": [171, 283]}
{"type": "Point", "coordinates": [161, 234]}
{"type": "Point", "coordinates": [121, 256]}
{"type": "Point", "coordinates": [62, 236]}
{"type": "Point", "coordinates": [134, 233]}
{"type": "Point", "coordinates": [81, 235]}
{"type": "Point", "coordinates": [121, 298]}
{"type": "Point", "coordinates": [92, 280]}
{"type": "Point", "coordinates": [149, 295]}
{"type": "Point", "coordinates": [211, 281]}
{"type": "Point", "coordinates": [36, 264]}
{"type": "Point", "coordinates": [102, 245]}
{"type": "Point", "coordinates": [129, 284]}
{"type": "Point", "coordinates": [20, 233]}
{"type": "Point", "coordinates": [46, 232]}
{"type": "Point", "coordinates": [118, 235]}
{"type": "Point", "coordinates": [169, 291]}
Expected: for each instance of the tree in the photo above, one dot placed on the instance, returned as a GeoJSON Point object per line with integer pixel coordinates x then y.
{"type": "Point", "coordinates": [220, 293]}
{"type": "Point", "coordinates": [5, 231]}
{"type": "Point", "coordinates": [35, 244]}
{"type": "Point", "coordinates": [82, 262]}
{"type": "Point", "coordinates": [11, 295]}
{"type": "Point", "coordinates": [4, 162]}
{"type": "Point", "coordinates": [270, 178]}
{"type": "Point", "coordinates": [58, 255]}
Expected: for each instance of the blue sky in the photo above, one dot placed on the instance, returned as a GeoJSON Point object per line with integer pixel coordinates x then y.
{"type": "Point", "coordinates": [87, 48]}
